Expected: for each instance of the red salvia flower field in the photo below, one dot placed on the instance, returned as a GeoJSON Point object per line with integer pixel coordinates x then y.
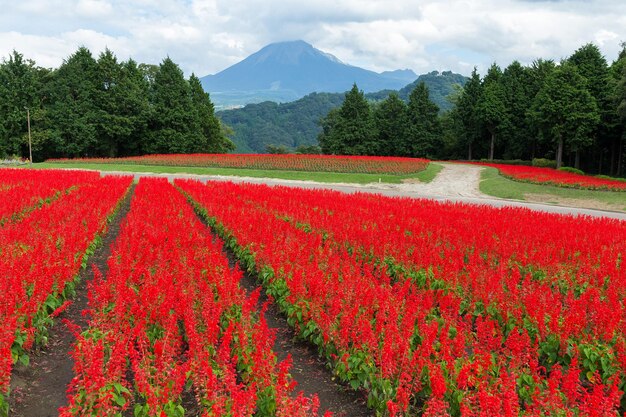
{"type": "Point", "coordinates": [447, 308]}
{"type": "Point", "coordinates": [539, 175]}
{"type": "Point", "coordinates": [171, 311]}
{"type": "Point", "coordinates": [43, 252]}
{"type": "Point", "coordinates": [314, 163]}
{"type": "Point", "coordinates": [21, 189]}
{"type": "Point", "coordinates": [431, 309]}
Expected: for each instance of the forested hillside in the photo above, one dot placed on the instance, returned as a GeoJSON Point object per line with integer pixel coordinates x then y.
{"type": "Point", "coordinates": [289, 125]}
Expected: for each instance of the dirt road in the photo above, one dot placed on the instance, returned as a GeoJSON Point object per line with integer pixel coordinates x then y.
{"type": "Point", "coordinates": [455, 183]}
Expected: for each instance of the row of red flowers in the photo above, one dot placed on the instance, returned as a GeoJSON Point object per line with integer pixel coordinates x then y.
{"type": "Point", "coordinates": [171, 313]}
{"type": "Point", "coordinates": [41, 254]}
{"type": "Point", "coordinates": [313, 163]}
{"type": "Point", "coordinates": [444, 309]}
{"type": "Point", "coordinates": [21, 189]}
{"type": "Point", "coordinates": [539, 175]}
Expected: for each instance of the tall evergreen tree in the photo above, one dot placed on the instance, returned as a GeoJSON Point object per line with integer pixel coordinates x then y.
{"type": "Point", "coordinates": [20, 88]}
{"type": "Point", "coordinates": [491, 107]}
{"type": "Point", "coordinates": [538, 73]}
{"type": "Point", "coordinates": [565, 110]}
{"type": "Point", "coordinates": [174, 125]}
{"type": "Point", "coordinates": [213, 138]}
{"type": "Point", "coordinates": [356, 125]}
{"type": "Point", "coordinates": [517, 100]}
{"type": "Point", "coordinates": [595, 70]}
{"type": "Point", "coordinates": [135, 108]}
{"type": "Point", "coordinates": [73, 113]}
{"type": "Point", "coordinates": [123, 106]}
{"type": "Point", "coordinates": [467, 111]}
{"type": "Point", "coordinates": [424, 132]}
{"type": "Point", "coordinates": [392, 126]}
{"type": "Point", "coordinates": [620, 100]}
{"type": "Point", "coordinates": [329, 139]}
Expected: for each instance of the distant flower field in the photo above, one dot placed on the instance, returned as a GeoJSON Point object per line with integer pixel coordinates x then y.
{"type": "Point", "coordinates": [537, 175]}
{"type": "Point", "coordinates": [314, 163]}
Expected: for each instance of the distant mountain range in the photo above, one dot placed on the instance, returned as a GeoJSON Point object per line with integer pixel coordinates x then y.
{"type": "Point", "coordinates": [296, 123]}
{"type": "Point", "coordinates": [287, 71]}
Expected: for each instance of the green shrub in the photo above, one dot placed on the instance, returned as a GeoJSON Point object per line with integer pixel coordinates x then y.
{"type": "Point", "coordinates": [606, 177]}
{"type": "Point", "coordinates": [543, 163]}
{"type": "Point", "coordinates": [507, 161]}
{"type": "Point", "coordinates": [572, 170]}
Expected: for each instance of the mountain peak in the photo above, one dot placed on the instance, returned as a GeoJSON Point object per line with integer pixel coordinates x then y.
{"type": "Point", "coordinates": [286, 71]}
{"type": "Point", "coordinates": [290, 53]}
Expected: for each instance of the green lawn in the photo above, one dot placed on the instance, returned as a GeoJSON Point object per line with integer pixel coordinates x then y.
{"type": "Point", "coordinates": [492, 183]}
{"type": "Point", "coordinates": [425, 176]}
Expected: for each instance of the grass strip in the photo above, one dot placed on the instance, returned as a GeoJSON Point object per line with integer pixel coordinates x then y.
{"type": "Point", "coordinates": [494, 184]}
{"type": "Point", "coordinates": [327, 177]}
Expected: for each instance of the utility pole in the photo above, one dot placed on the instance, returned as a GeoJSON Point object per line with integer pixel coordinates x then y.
{"type": "Point", "coordinates": [30, 148]}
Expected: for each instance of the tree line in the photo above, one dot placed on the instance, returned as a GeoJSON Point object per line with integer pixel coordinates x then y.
{"type": "Point", "coordinates": [572, 112]}
{"type": "Point", "coordinates": [390, 127]}
{"type": "Point", "coordinates": [102, 107]}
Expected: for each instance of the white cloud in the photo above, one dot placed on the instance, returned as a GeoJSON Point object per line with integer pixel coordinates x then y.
{"type": "Point", "coordinates": [93, 8]}
{"type": "Point", "coordinates": [206, 36]}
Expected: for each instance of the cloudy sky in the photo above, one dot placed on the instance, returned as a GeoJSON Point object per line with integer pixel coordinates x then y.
{"type": "Point", "coordinates": [206, 36]}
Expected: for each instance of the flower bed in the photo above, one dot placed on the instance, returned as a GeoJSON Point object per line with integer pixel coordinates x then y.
{"type": "Point", "coordinates": [171, 314]}
{"type": "Point", "coordinates": [445, 309]}
{"type": "Point", "coordinates": [537, 175]}
{"type": "Point", "coordinates": [313, 163]}
{"type": "Point", "coordinates": [41, 255]}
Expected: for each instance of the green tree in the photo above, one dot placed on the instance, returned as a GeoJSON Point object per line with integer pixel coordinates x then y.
{"type": "Point", "coordinates": [308, 150]}
{"type": "Point", "coordinates": [356, 126]}
{"type": "Point", "coordinates": [149, 72]}
{"type": "Point", "coordinates": [595, 70]}
{"type": "Point", "coordinates": [123, 107]}
{"type": "Point", "coordinates": [538, 73]}
{"type": "Point", "coordinates": [392, 126]}
{"type": "Point", "coordinates": [174, 124]}
{"type": "Point", "coordinates": [213, 139]}
{"type": "Point", "coordinates": [135, 106]}
{"type": "Point", "coordinates": [424, 129]}
{"type": "Point", "coordinates": [620, 104]}
{"type": "Point", "coordinates": [517, 100]}
{"type": "Point", "coordinates": [330, 141]}
{"type": "Point", "coordinates": [276, 149]}
{"type": "Point", "coordinates": [621, 95]}
{"type": "Point", "coordinates": [73, 112]}
{"type": "Point", "coordinates": [20, 88]}
{"type": "Point", "coordinates": [350, 130]}
{"type": "Point", "coordinates": [565, 111]}
{"type": "Point", "coordinates": [467, 112]}
{"type": "Point", "coordinates": [492, 110]}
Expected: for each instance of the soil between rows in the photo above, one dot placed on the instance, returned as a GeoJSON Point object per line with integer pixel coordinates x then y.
{"type": "Point", "coordinates": [308, 369]}
{"type": "Point", "coordinates": [40, 389]}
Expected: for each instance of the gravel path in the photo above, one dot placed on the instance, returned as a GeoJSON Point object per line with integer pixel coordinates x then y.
{"type": "Point", "coordinates": [454, 180]}
{"type": "Point", "coordinates": [455, 183]}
